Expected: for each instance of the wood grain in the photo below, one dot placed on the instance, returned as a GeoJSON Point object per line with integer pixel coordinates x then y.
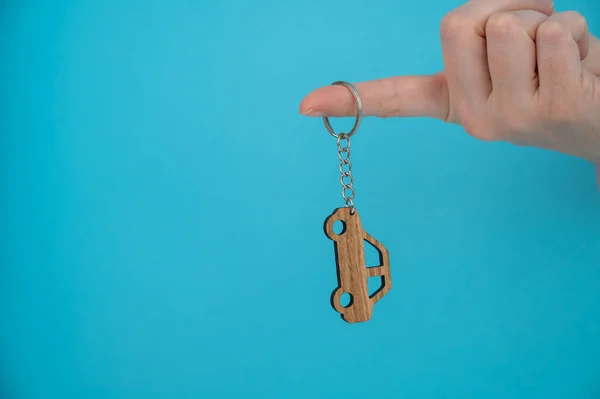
{"type": "Point", "coordinates": [352, 270]}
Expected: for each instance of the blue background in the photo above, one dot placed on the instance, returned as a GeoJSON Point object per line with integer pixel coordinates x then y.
{"type": "Point", "coordinates": [163, 201]}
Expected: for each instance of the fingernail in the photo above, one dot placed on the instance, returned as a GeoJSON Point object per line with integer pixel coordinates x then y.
{"type": "Point", "coordinates": [312, 112]}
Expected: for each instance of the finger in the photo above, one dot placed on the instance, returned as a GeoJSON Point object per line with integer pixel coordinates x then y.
{"type": "Point", "coordinates": [511, 55]}
{"type": "Point", "coordinates": [464, 47]}
{"type": "Point", "coordinates": [398, 96]}
{"type": "Point", "coordinates": [592, 61]}
{"type": "Point", "coordinates": [410, 95]}
{"type": "Point", "coordinates": [562, 41]}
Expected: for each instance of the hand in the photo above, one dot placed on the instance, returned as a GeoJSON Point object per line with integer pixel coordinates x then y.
{"type": "Point", "coordinates": [515, 71]}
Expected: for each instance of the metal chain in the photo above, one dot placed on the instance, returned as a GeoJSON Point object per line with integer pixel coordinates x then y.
{"type": "Point", "coordinates": [347, 180]}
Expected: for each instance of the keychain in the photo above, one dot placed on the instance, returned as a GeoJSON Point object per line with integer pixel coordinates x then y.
{"type": "Point", "coordinates": [352, 270]}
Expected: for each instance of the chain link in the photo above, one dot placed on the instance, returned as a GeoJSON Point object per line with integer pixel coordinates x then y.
{"type": "Point", "coordinates": [347, 180]}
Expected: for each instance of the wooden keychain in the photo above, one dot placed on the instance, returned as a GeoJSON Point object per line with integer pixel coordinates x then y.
{"type": "Point", "coordinates": [352, 270]}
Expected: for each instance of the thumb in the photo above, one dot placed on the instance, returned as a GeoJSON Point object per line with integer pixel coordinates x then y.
{"type": "Point", "coordinates": [403, 96]}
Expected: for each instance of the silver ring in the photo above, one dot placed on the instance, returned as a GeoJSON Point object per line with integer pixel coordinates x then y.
{"type": "Point", "coordinates": [359, 110]}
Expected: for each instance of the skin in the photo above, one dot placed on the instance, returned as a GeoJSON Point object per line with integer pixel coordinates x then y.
{"type": "Point", "coordinates": [514, 71]}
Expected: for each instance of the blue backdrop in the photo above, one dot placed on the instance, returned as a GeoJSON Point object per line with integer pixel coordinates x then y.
{"type": "Point", "coordinates": [163, 201]}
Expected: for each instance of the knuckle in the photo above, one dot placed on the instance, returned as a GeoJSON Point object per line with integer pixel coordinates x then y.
{"type": "Point", "coordinates": [503, 22]}
{"type": "Point", "coordinates": [485, 133]}
{"type": "Point", "coordinates": [453, 24]}
{"type": "Point", "coordinates": [479, 128]}
{"type": "Point", "coordinates": [577, 19]}
{"type": "Point", "coordinates": [475, 122]}
{"type": "Point", "coordinates": [551, 31]}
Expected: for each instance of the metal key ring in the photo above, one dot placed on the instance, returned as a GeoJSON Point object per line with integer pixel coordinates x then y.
{"type": "Point", "coordinates": [359, 111]}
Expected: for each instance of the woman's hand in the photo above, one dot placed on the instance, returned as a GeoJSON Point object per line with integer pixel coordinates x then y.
{"type": "Point", "coordinates": [514, 71]}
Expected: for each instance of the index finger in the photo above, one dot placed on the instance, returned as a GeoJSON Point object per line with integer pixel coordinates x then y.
{"type": "Point", "coordinates": [395, 96]}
